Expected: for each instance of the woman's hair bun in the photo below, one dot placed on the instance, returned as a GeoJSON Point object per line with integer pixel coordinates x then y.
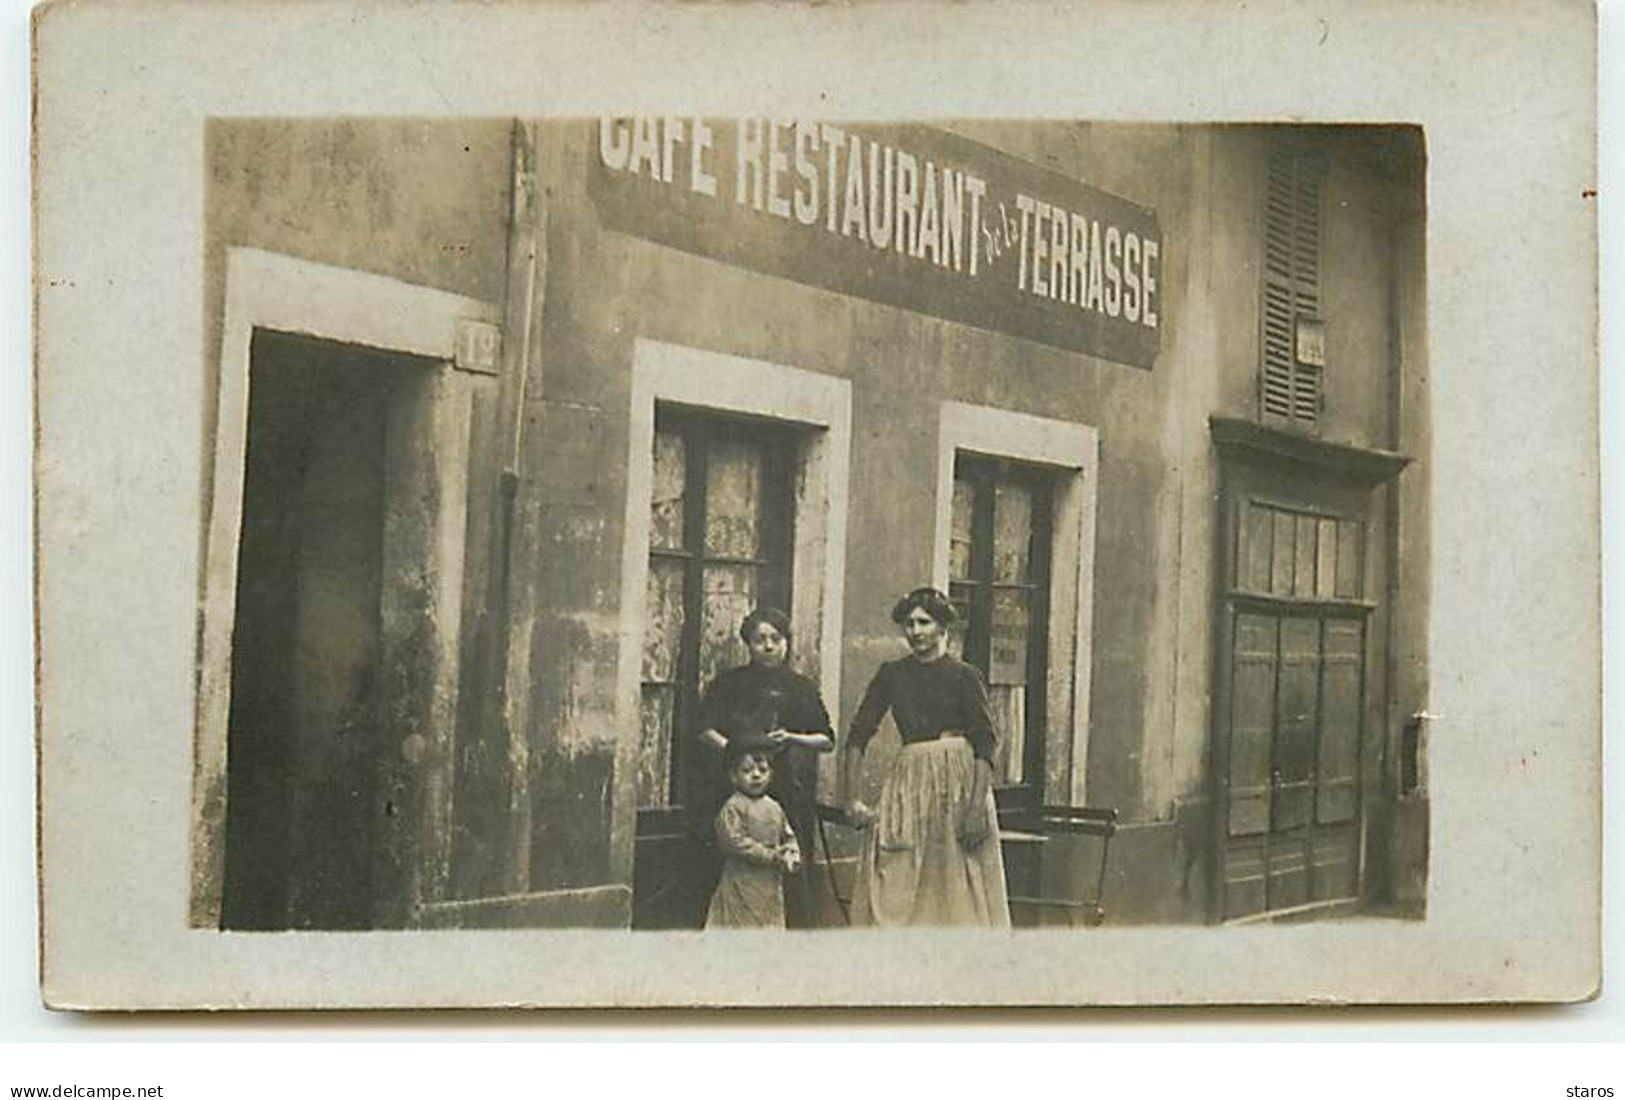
{"type": "Point", "coordinates": [927, 599]}
{"type": "Point", "coordinates": [771, 615]}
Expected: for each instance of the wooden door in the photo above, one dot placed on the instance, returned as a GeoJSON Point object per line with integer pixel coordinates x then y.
{"type": "Point", "coordinates": [1256, 653]}
{"type": "Point", "coordinates": [1292, 756]}
{"type": "Point", "coordinates": [1336, 851]}
{"type": "Point", "coordinates": [1292, 783]}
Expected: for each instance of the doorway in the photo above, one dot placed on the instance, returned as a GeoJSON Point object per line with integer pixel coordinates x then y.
{"type": "Point", "coordinates": [308, 740]}
{"type": "Point", "coordinates": [1291, 708]}
{"type": "Point", "coordinates": [720, 544]}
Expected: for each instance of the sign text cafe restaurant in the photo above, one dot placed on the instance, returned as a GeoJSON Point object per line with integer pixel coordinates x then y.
{"type": "Point", "coordinates": [516, 421]}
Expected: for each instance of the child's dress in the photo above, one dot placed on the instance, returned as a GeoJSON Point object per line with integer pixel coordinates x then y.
{"type": "Point", "coordinates": [751, 832]}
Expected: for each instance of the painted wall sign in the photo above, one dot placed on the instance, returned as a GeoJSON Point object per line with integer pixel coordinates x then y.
{"type": "Point", "coordinates": [906, 215]}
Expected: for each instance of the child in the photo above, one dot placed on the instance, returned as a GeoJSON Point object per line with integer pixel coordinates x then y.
{"type": "Point", "coordinates": [756, 842]}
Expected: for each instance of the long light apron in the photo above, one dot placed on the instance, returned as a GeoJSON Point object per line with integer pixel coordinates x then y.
{"type": "Point", "coordinates": [913, 869]}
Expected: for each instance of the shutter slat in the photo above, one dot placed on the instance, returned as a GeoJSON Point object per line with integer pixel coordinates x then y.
{"type": "Point", "coordinates": [1278, 347]}
{"type": "Point", "coordinates": [1306, 393]}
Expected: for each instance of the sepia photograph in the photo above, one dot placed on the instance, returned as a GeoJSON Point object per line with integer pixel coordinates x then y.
{"type": "Point", "coordinates": [669, 523]}
{"type": "Point", "coordinates": [626, 507]}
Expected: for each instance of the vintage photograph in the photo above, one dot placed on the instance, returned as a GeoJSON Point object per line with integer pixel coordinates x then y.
{"type": "Point", "coordinates": [679, 523]}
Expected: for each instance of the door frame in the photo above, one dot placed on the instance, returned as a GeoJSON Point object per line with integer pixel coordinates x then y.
{"type": "Point", "coordinates": [714, 382]}
{"type": "Point", "coordinates": [1072, 451]}
{"type": "Point", "coordinates": [270, 291]}
{"type": "Point", "coordinates": [1257, 462]}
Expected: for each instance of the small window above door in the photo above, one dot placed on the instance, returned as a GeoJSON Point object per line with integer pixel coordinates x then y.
{"type": "Point", "coordinates": [1299, 555]}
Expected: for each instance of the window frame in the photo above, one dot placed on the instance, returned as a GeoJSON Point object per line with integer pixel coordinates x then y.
{"type": "Point", "coordinates": [1270, 588]}
{"type": "Point", "coordinates": [774, 394]}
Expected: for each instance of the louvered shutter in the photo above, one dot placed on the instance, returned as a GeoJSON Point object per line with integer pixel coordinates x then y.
{"type": "Point", "coordinates": [1291, 292]}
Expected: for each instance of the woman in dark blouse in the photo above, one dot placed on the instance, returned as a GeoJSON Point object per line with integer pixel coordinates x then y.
{"type": "Point", "coordinates": [767, 698]}
{"type": "Point", "coordinates": [931, 852]}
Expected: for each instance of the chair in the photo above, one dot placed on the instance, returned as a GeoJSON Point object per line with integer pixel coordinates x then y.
{"type": "Point", "coordinates": [1033, 829]}
{"type": "Point", "coordinates": [834, 815]}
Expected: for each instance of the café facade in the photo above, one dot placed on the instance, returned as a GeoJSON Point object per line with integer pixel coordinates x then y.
{"type": "Point", "coordinates": [510, 423]}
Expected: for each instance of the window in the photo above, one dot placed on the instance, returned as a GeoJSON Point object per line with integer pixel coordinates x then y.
{"type": "Point", "coordinates": [1015, 523]}
{"type": "Point", "coordinates": [719, 545]}
{"type": "Point", "coordinates": [1296, 554]}
{"type": "Point", "coordinates": [1292, 340]}
{"type": "Point", "coordinates": [999, 579]}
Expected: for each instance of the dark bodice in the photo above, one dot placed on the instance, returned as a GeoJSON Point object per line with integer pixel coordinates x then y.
{"type": "Point", "coordinates": [926, 698]}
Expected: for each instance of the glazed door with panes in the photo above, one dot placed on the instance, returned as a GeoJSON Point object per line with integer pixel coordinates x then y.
{"type": "Point", "coordinates": [999, 581]}
{"type": "Point", "coordinates": [720, 537]}
{"type": "Point", "coordinates": [1297, 676]}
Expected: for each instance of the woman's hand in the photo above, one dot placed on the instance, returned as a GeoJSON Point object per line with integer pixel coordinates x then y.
{"type": "Point", "coordinates": [974, 825]}
{"type": "Point", "coordinates": [818, 741]}
{"type": "Point", "coordinates": [860, 815]}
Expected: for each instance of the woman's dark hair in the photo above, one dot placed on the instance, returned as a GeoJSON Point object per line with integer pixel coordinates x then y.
{"type": "Point", "coordinates": [775, 618]}
{"type": "Point", "coordinates": [929, 600]}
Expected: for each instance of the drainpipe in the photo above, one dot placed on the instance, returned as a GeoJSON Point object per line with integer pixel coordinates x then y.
{"type": "Point", "coordinates": [508, 633]}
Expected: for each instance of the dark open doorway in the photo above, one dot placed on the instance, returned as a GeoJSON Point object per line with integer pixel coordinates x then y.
{"type": "Point", "coordinates": [307, 743]}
